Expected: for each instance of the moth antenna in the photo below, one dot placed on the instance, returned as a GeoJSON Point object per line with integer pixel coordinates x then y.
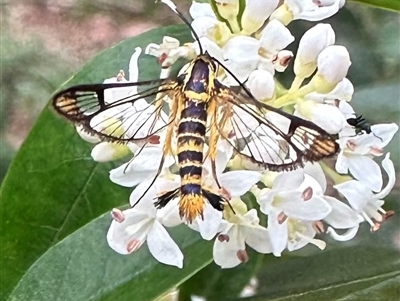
{"type": "Point", "coordinates": [172, 6]}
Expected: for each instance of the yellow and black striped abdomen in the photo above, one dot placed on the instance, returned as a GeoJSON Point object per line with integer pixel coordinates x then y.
{"type": "Point", "coordinates": [191, 135]}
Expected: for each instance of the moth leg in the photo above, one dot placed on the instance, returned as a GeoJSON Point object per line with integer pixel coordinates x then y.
{"type": "Point", "coordinates": [166, 146]}
{"type": "Point", "coordinates": [213, 140]}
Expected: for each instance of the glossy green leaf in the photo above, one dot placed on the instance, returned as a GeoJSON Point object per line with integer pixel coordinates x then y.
{"type": "Point", "coordinates": [386, 4]}
{"type": "Point", "coordinates": [83, 267]}
{"type": "Point", "coordinates": [53, 187]}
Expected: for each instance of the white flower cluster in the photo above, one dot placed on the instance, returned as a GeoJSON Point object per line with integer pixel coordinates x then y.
{"type": "Point", "coordinates": [293, 206]}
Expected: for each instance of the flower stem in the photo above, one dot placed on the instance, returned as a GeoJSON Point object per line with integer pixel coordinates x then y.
{"type": "Point", "coordinates": [234, 25]}
{"type": "Point", "coordinates": [291, 98]}
{"type": "Point", "coordinates": [337, 178]}
{"type": "Point", "coordinates": [296, 84]}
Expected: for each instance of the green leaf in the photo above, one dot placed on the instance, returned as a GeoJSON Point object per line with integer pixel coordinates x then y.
{"type": "Point", "coordinates": [216, 284]}
{"type": "Point", "coordinates": [83, 267]}
{"type": "Point", "coordinates": [386, 4]}
{"type": "Point", "coordinates": [53, 186]}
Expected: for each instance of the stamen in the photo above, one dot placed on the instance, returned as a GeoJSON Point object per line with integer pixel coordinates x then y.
{"type": "Point", "coordinates": [375, 227]}
{"type": "Point", "coordinates": [368, 219]}
{"type": "Point", "coordinates": [161, 59]}
{"type": "Point", "coordinates": [318, 226]}
{"type": "Point", "coordinates": [242, 255]}
{"type": "Point", "coordinates": [120, 75]}
{"type": "Point", "coordinates": [388, 214]}
{"type": "Point", "coordinates": [133, 245]}
{"type": "Point", "coordinates": [155, 139]}
{"type": "Point", "coordinates": [281, 218]}
{"type": "Point", "coordinates": [223, 237]}
{"type": "Point", "coordinates": [351, 145]}
{"type": "Point", "coordinates": [117, 215]}
{"type": "Point", "coordinates": [307, 194]}
{"type": "Point", "coordinates": [376, 151]}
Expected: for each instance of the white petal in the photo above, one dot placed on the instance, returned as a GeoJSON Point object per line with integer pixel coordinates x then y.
{"type": "Point", "coordinates": [312, 210]}
{"type": "Point", "coordinates": [211, 223]}
{"type": "Point", "coordinates": [246, 178]}
{"type": "Point", "coordinates": [349, 234]}
{"type": "Point", "coordinates": [356, 193]}
{"type": "Point", "coordinates": [384, 132]}
{"type": "Point", "coordinates": [328, 117]}
{"type": "Point", "coordinates": [261, 84]}
{"type": "Point", "coordinates": [162, 247]}
{"type": "Point", "coordinates": [133, 65]}
{"type": "Point", "coordinates": [278, 234]}
{"type": "Point", "coordinates": [134, 228]}
{"type": "Point", "coordinates": [121, 176]}
{"type": "Point", "coordinates": [225, 253]}
{"type": "Point", "coordinates": [202, 25]}
{"type": "Point", "coordinates": [198, 10]}
{"type": "Point", "coordinates": [333, 64]}
{"type": "Point", "coordinates": [107, 151]}
{"type": "Point", "coordinates": [320, 13]}
{"type": "Point", "coordinates": [275, 37]}
{"type": "Point", "coordinates": [169, 215]}
{"type": "Point", "coordinates": [366, 171]}
{"type": "Point", "coordinates": [241, 56]}
{"type": "Point", "coordinates": [341, 216]}
{"type": "Point", "coordinates": [311, 44]}
{"type": "Point", "coordinates": [342, 164]}
{"type": "Point", "coordinates": [258, 238]}
{"type": "Point", "coordinates": [289, 180]}
{"type": "Point", "coordinates": [315, 171]}
{"type": "Point", "coordinates": [256, 12]}
{"type": "Point", "coordinates": [388, 166]}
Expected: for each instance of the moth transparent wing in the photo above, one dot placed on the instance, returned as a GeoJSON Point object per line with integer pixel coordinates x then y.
{"type": "Point", "coordinates": [117, 112]}
{"type": "Point", "coordinates": [268, 137]}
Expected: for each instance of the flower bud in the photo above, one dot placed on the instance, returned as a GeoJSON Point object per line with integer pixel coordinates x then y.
{"type": "Point", "coordinates": [283, 14]}
{"type": "Point", "coordinates": [333, 65]}
{"type": "Point", "coordinates": [106, 151]}
{"type": "Point", "coordinates": [228, 9]}
{"type": "Point", "coordinates": [255, 14]}
{"type": "Point", "coordinates": [328, 117]}
{"type": "Point", "coordinates": [311, 44]}
{"type": "Point", "coordinates": [261, 84]}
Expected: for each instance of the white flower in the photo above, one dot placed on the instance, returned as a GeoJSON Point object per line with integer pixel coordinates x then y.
{"type": "Point", "coordinates": [241, 229]}
{"type": "Point", "coordinates": [356, 154]}
{"type": "Point", "coordinates": [144, 223]}
{"type": "Point", "coordinates": [364, 201]}
{"type": "Point", "coordinates": [242, 54]}
{"type": "Point", "coordinates": [311, 44]}
{"type": "Point", "coordinates": [292, 204]}
{"type": "Point", "coordinates": [168, 52]}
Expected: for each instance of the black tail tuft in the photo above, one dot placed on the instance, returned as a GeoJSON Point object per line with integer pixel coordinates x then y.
{"type": "Point", "coordinates": [163, 199]}
{"type": "Point", "coordinates": [215, 200]}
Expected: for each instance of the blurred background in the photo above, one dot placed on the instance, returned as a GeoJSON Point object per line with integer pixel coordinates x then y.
{"type": "Point", "coordinates": [44, 42]}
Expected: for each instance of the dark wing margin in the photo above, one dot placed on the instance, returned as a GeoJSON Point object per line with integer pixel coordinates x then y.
{"type": "Point", "coordinates": [267, 137]}
{"type": "Point", "coordinates": [118, 112]}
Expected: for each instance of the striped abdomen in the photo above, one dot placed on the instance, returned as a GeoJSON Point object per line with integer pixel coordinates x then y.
{"type": "Point", "coordinates": [191, 135]}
